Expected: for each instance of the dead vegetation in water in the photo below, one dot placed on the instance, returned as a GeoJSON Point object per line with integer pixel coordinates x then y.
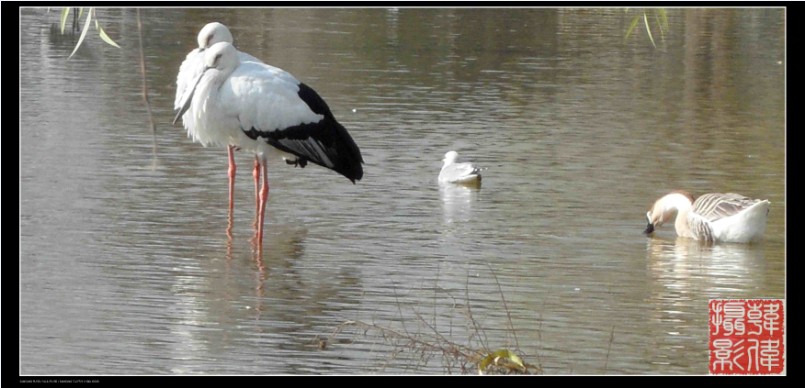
{"type": "Point", "coordinates": [428, 343]}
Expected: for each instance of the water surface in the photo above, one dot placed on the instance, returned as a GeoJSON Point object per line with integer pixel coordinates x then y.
{"type": "Point", "coordinates": [125, 264]}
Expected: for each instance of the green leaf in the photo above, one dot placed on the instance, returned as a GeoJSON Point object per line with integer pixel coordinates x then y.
{"type": "Point", "coordinates": [64, 13]}
{"type": "Point", "coordinates": [657, 20]}
{"type": "Point", "coordinates": [485, 363]}
{"type": "Point", "coordinates": [663, 17]}
{"type": "Point", "coordinates": [507, 354]}
{"type": "Point", "coordinates": [648, 30]}
{"type": "Point", "coordinates": [105, 37]}
{"type": "Point", "coordinates": [81, 12]}
{"type": "Point", "coordinates": [83, 33]}
{"type": "Point", "coordinates": [495, 357]}
{"type": "Point", "coordinates": [662, 20]}
{"type": "Point", "coordinates": [632, 25]}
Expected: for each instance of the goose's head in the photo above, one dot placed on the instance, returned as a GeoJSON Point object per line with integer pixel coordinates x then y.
{"type": "Point", "coordinates": [665, 208]}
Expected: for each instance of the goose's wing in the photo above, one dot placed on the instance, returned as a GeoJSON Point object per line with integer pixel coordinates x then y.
{"type": "Point", "coordinates": [715, 206]}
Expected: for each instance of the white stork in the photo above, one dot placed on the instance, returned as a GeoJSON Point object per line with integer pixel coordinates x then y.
{"type": "Point", "coordinates": [191, 68]}
{"type": "Point", "coordinates": [253, 106]}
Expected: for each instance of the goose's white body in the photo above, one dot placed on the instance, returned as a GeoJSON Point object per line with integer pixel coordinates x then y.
{"type": "Point", "coordinates": [461, 173]}
{"type": "Point", "coordinates": [713, 217]}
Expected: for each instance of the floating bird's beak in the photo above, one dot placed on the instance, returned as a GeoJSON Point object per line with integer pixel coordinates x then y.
{"type": "Point", "coordinates": [188, 97]}
{"type": "Point", "coordinates": [650, 227]}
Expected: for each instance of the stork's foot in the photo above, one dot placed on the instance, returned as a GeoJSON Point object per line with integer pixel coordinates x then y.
{"type": "Point", "coordinates": [298, 162]}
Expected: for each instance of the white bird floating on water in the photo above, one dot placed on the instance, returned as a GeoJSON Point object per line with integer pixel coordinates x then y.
{"type": "Point", "coordinates": [191, 68]}
{"type": "Point", "coordinates": [460, 173]}
{"type": "Point", "coordinates": [253, 105]}
{"type": "Point", "coordinates": [713, 217]}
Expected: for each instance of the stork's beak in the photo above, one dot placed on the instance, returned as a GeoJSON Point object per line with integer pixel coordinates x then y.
{"type": "Point", "coordinates": [188, 97]}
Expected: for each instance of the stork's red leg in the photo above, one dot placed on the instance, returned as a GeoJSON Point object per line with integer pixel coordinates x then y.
{"type": "Point", "coordinates": [256, 175]}
{"type": "Point", "coordinates": [263, 202]}
{"type": "Point", "coordinates": [232, 169]}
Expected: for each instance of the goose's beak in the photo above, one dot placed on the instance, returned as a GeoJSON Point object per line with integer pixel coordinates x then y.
{"type": "Point", "coordinates": [650, 227]}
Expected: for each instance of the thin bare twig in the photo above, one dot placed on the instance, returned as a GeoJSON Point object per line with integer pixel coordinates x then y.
{"type": "Point", "coordinates": [505, 306]}
{"type": "Point", "coordinates": [422, 346]}
{"type": "Point", "coordinates": [478, 331]}
{"type": "Point", "coordinates": [145, 83]}
{"type": "Point", "coordinates": [609, 347]}
{"type": "Point", "coordinates": [421, 341]}
{"type": "Point", "coordinates": [433, 329]}
{"type": "Point", "coordinates": [435, 288]}
{"type": "Point", "coordinates": [399, 309]}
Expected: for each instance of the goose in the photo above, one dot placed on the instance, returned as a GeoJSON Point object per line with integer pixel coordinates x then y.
{"type": "Point", "coordinates": [460, 173]}
{"type": "Point", "coordinates": [713, 217]}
